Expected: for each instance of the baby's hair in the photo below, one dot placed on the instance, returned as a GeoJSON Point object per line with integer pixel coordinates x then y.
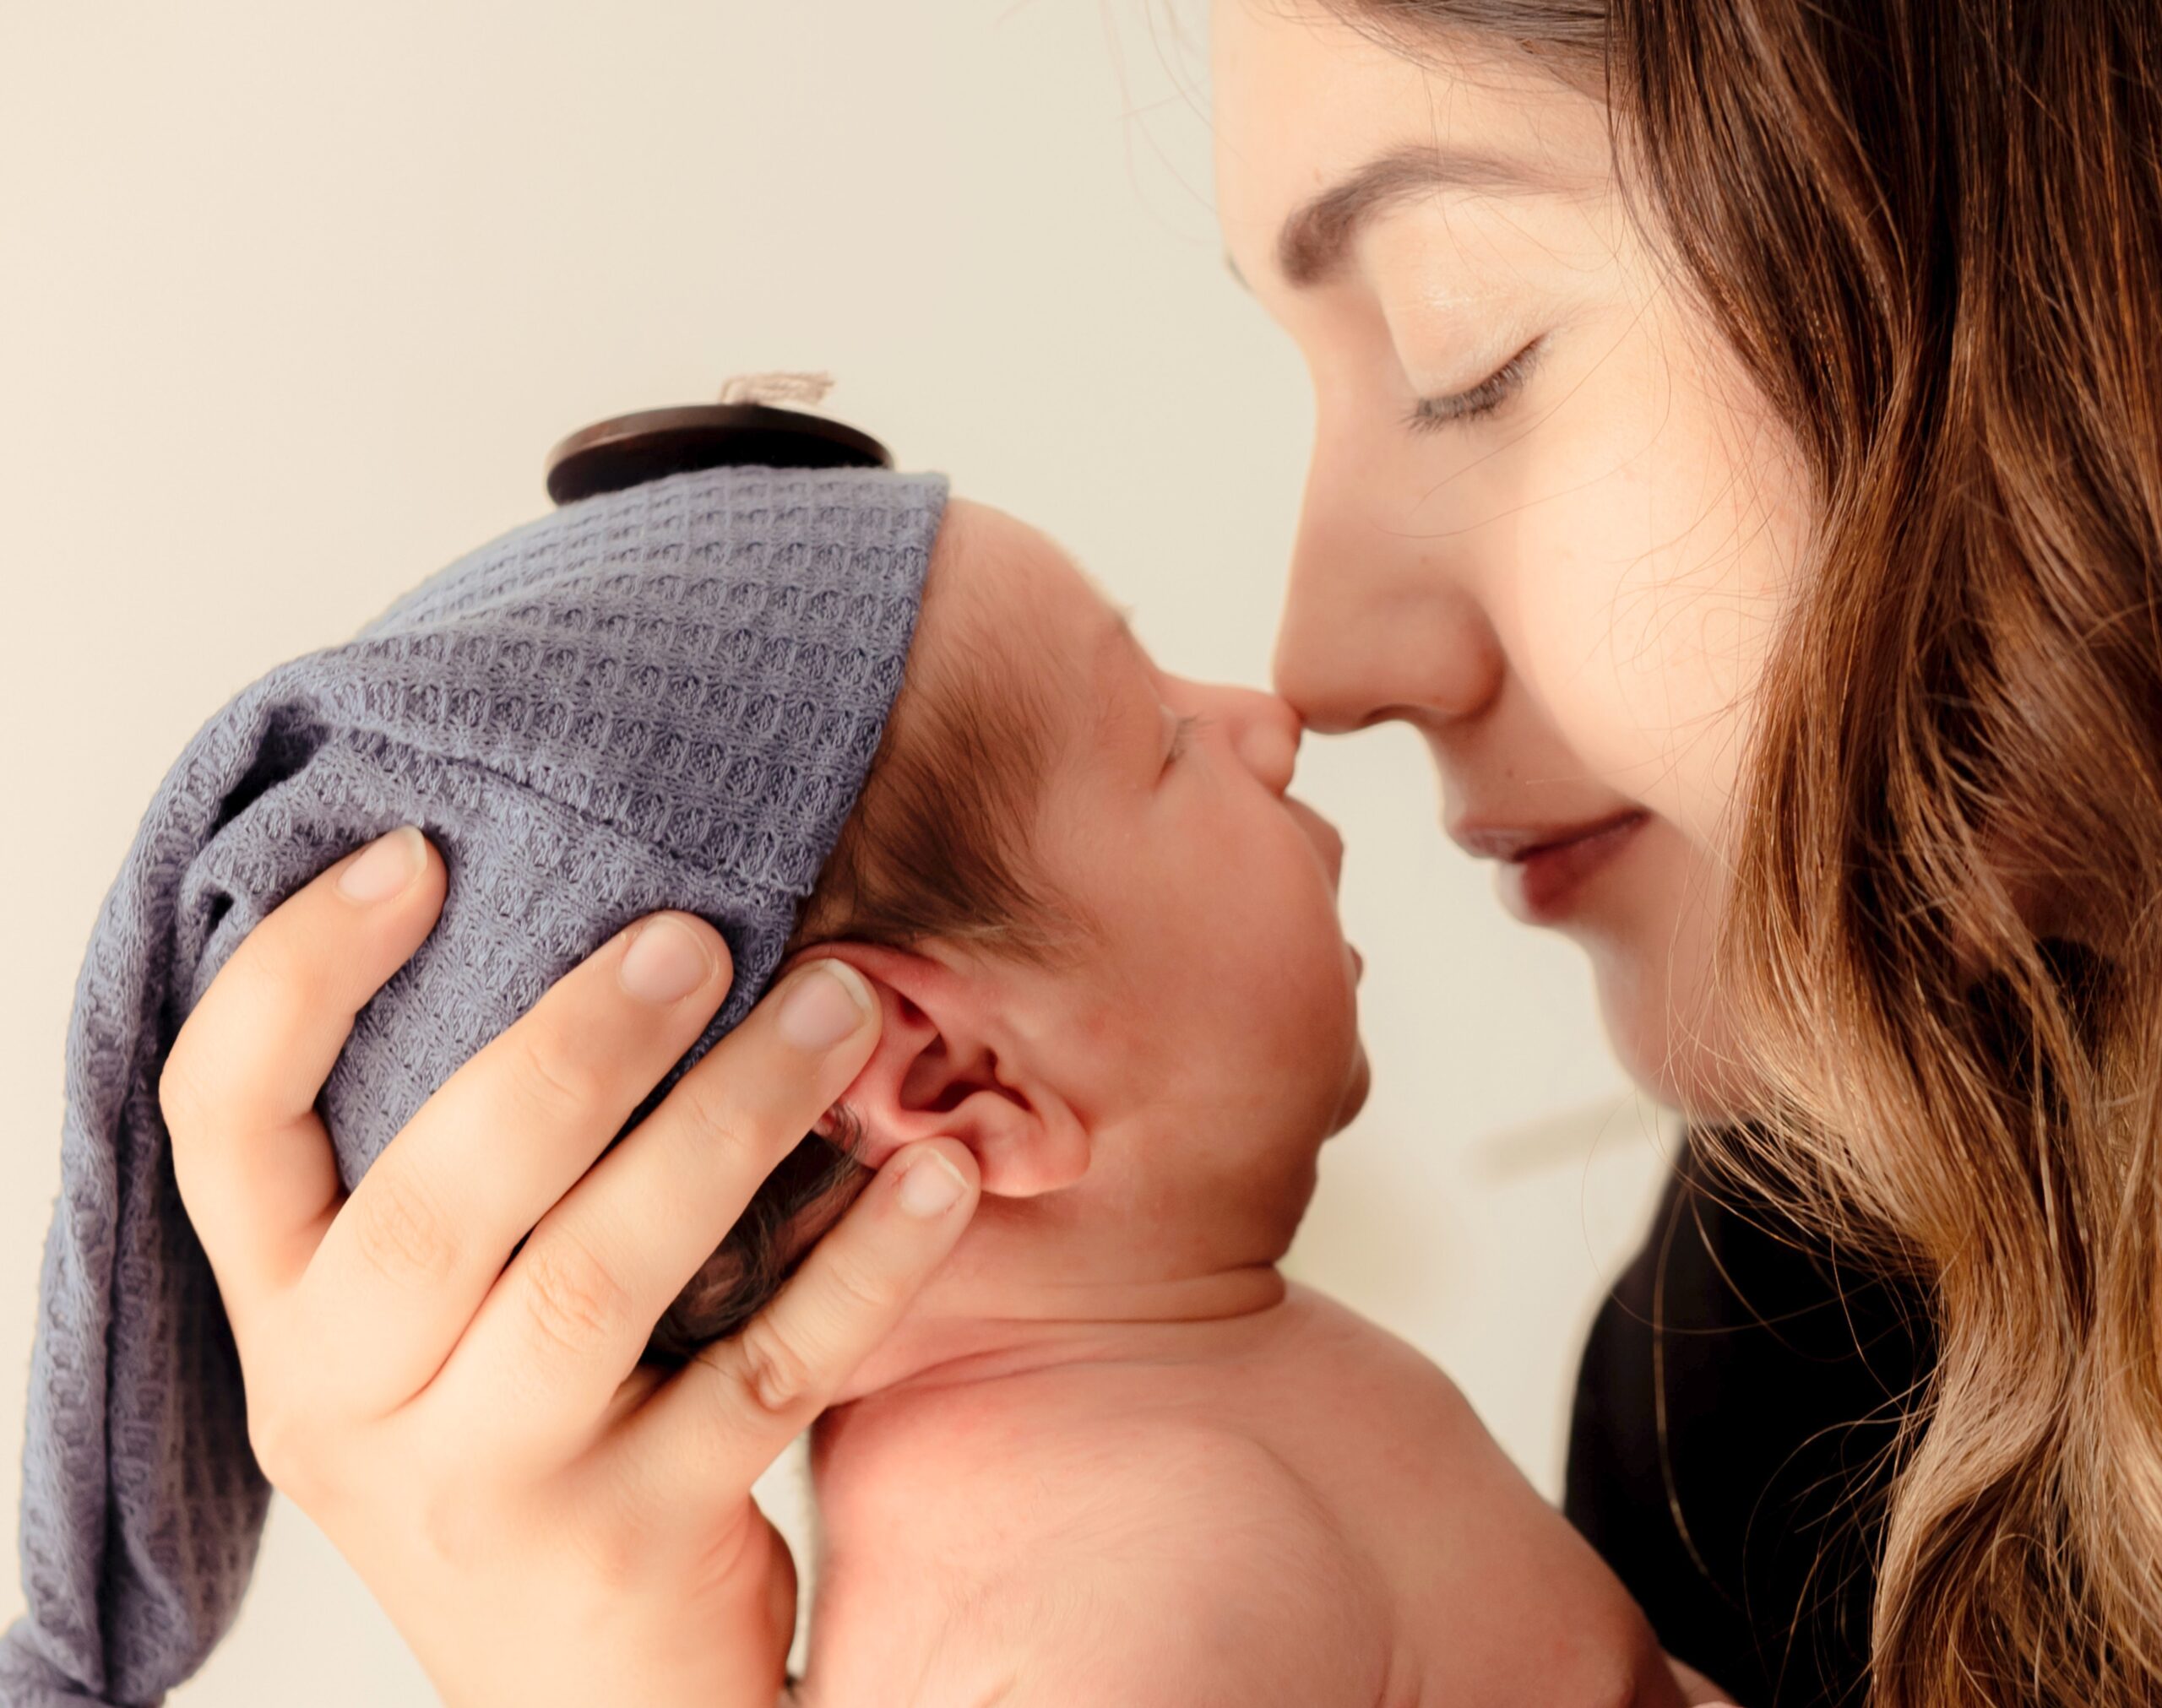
{"type": "Point", "coordinates": [938, 848]}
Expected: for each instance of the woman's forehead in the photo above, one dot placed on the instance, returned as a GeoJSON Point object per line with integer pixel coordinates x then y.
{"type": "Point", "coordinates": [1310, 109]}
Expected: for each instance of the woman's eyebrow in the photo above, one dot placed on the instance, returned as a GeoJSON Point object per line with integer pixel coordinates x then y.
{"type": "Point", "coordinates": [1314, 241]}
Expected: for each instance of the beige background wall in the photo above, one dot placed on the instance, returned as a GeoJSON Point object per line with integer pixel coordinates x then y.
{"type": "Point", "coordinates": [297, 296]}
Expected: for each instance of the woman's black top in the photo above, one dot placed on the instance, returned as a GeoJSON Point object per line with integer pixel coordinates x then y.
{"type": "Point", "coordinates": [1733, 1411]}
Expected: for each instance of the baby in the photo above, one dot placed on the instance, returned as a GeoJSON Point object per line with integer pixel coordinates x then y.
{"type": "Point", "coordinates": [1112, 1455]}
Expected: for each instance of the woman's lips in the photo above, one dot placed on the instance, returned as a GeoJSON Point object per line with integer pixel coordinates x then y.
{"type": "Point", "coordinates": [1541, 881]}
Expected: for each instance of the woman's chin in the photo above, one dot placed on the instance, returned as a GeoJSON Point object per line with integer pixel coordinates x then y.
{"type": "Point", "coordinates": [1676, 1045]}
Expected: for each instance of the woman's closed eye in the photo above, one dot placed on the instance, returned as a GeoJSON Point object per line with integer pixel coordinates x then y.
{"type": "Point", "coordinates": [1430, 413]}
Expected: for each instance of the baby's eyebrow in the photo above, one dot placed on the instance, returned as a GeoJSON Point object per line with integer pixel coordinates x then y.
{"type": "Point", "coordinates": [1117, 635]}
{"type": "Point", "coordinates": [1116, 650]}
{"type": "Point", "coordinates": [1119, 628]}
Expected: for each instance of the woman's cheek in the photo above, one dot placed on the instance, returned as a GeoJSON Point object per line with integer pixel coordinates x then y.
{"type": "Point", "coordinates": [1683, 659]}
{"type": "Point", "coordinates": [1725, 504]}
{"type": "Point", "coordinates": [1662, 574]}
{"type": "Point", "coordinates": [1593, 659]}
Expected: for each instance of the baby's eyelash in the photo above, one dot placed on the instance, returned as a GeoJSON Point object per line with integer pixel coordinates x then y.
{"type": "Point", "coordinates": [1430, 413]}
{"type": "Point", "coordinates": [1182, 735]}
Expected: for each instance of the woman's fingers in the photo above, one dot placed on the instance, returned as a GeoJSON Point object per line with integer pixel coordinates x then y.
{"type": "Point", "coordinates": [253, 1164]}
{"type": "Point", "coordinates": [1697, 1689]}
{"type": "Point", "coordinates": [689, 1453]}
{"type": "Point", "coordinates": [426, 1235]}
{"type": "Point", "coordinates": [568, 1320]}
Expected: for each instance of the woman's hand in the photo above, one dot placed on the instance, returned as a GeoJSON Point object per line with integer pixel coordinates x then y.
{"type": "Point", "coordinates": [1697, 1691]}
{"type": "Point", "coordinates": [545, 1520]}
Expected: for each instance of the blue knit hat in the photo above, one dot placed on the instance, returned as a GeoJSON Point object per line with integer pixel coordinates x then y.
{"type": "Point", "coordinates": [665, 696]}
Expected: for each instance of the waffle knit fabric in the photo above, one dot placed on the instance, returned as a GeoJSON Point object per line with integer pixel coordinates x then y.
{"type": "Point", "coordinates": [667, 696]}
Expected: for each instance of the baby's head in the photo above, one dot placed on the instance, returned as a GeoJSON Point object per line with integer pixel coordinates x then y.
{"type": "Point", "coordinates": [1104, 941]}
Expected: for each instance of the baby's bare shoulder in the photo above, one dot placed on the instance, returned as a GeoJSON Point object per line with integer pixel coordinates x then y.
{"type": "Point", "coordinates": [1178, 1562]}
{"type": "Point", "coordinates": [1058, 1483]}
{"type": "Point", "coordinates": [1131, 1559]}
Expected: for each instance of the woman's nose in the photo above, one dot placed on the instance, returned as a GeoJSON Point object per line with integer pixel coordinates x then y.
{"type": "Point", "coordinates": [1380, 621]}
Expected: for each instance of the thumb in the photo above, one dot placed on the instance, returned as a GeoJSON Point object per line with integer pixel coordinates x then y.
{"type": "Point", "coordinates": [707, 1435]}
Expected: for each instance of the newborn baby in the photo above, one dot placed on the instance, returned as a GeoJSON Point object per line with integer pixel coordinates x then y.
{"type": "Point", "coordinates": [1112, 1455]}
{"type": "Point", "coordinates": [1109, 1457]}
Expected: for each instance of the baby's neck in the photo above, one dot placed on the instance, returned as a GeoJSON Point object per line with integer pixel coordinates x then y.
{"type": "Point", "coordinates": [964, 1331]}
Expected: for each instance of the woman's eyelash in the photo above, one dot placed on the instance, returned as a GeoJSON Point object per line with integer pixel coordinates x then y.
{"type": "Point", "coordinates": [1429, 413]}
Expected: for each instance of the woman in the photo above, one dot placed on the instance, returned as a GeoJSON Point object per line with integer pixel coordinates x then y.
{"type": "Point", "coordinates": [1737, 454]}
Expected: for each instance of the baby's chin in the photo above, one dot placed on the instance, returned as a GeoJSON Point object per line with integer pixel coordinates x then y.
{"type": "Point", "coordinates": [1358, 1084]}
{"type": "Point", "coordinates": [1334, 1076]}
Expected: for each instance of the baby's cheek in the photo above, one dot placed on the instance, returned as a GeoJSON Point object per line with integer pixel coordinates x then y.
{"type": "Point", "coordinates": [1223, 954]}
{"type": "Point", "coordinates": [1307, 1032]}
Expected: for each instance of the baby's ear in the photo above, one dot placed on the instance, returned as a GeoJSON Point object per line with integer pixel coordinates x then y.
{"type": "Point", "coordinates": [945, 1068]}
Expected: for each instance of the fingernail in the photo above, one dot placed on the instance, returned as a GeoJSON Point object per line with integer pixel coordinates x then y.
{"type": "Point", "coordinates": [666, 961]}
{"type": "Point", "coordinates": [824, 1006]}
{"type": "Point", "coordinates": [932, 1187]}
{"type": "Point", "coordinates": [390, 864]}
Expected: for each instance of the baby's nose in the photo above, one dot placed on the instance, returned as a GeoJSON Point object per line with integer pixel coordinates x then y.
{"type": "Point", "coordinates": [1268, 740]}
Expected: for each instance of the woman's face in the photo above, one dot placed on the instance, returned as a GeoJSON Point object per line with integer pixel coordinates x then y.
{"type": "Point", "coordinates": [1547, 523]}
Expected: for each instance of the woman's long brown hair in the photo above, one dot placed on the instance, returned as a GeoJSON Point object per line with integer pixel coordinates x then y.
{"type": "Point", "coordinates": [1932, 230]}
